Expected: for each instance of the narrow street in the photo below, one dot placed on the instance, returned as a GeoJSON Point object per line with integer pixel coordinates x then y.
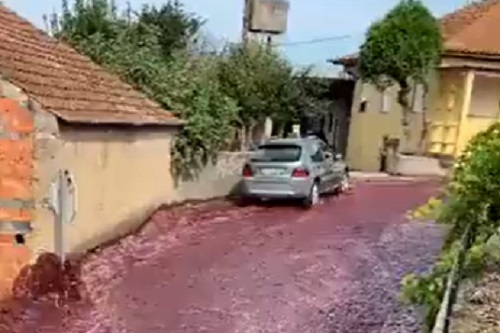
{"type": "Point", "coordinates": [334, 269]}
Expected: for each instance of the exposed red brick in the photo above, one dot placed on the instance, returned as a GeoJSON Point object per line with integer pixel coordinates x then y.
{"type": "Point", "coordinates": [7, 239]}
{"type": "Point", "coordinates": [16, 159]}
{"type": "Point", "coordinates": [16, 173]}
{"type": "Point", "coordinates": [12, 261]}
{"type": "Point", "coordinates": [15, 188]}
{"type": "Point", "coordinates": [14, 214]}
{"type": "Point", "coordinates": [15, 118]}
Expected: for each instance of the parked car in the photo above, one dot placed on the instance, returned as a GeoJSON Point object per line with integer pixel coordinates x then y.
{"type": "Point", "coordinates": [298, 168]}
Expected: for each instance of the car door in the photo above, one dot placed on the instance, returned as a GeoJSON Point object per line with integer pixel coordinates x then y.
{"type": "Point", "coordinates": [318, 163]}
{"type": "Point", "coordinates": [322, 164]}
{"type": "Point", "coordinates": [330, 176]}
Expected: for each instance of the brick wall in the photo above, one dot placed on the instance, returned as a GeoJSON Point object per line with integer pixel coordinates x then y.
{"type": "Point", "coordinates": [16, 173]}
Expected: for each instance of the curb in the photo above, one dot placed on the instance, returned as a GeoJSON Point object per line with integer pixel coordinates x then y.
{"type": "Point", "coordinates": [442, 321]}
{"type": "Point", "coordinates": [393, 179]}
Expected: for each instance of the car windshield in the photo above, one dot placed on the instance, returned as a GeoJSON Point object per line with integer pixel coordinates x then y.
{"type": "Point", "coordinates": [277, 153]}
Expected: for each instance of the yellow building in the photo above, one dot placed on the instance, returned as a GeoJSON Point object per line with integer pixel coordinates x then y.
{"type": "Point", "coordinates": [463, 98]}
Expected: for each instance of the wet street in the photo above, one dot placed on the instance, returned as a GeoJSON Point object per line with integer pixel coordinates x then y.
{"type": "Point", "coordinates": [216, 268]}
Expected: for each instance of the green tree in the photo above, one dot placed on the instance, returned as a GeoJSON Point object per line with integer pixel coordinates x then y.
{"type": "Point", "coordinates": [156, 50]}
{"type": "Point", "coordinates": [314, 95]}
{"type": "Point", "coordinates": [177, 27]}
{"type": "Point", "coordinates": [261, 81]}
{"type": "Point", "coordinates": [401, 49]}
{"type": "Point", "coordinates": [173, 26]}
{"type": "Point", "coordinates": [145, 52]}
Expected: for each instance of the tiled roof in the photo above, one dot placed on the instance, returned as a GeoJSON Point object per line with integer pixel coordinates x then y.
{"type": "Point", "coordinates": [471, 29]}
{"type": "Point", "coordinates": [346, 60]}
{"type": "Point", "coordinates": [67, 83]}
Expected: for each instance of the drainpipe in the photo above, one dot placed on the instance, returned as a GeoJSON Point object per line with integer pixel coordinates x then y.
{"type": "Point", "coordinates": [62, 202]}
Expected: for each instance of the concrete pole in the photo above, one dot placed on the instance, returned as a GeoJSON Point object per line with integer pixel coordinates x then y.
{"type": "Point", "coordinates": [245, 21]}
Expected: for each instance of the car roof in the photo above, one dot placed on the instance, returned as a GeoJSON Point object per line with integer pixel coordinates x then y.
{"type": "Point", "coordinates": [290, 141]}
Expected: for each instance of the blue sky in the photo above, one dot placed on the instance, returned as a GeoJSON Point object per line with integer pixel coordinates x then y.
{"type": "Point", "coordinates": [309, 19]}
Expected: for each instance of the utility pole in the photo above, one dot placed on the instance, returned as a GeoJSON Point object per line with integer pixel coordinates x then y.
{"type": "Point", "coordinates": [246, 22]}
{"type": "Point", "coordinates": [269, 42]}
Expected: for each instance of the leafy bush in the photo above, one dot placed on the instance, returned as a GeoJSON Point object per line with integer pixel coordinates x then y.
{"type": "Point", "coordinates": [473, 201]}
{"type": "Point", "coordinates": [214, 92]}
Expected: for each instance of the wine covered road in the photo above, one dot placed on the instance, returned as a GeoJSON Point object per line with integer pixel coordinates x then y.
{"type": "Point", "coordinates": [216, 268]}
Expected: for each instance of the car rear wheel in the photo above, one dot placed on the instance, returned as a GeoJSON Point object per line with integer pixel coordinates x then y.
{"type": "Point", "coordinates": [313, 197]}
{"type": "Point", "coordinates": [243, 201]}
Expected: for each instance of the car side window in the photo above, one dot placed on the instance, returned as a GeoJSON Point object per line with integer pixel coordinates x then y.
{"type": "Point", "coordinates": [317, 153]}
{"type": "Point", "coordinates": [324, 147]}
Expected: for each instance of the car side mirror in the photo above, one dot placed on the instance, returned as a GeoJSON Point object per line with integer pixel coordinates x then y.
{"type": "Point", "coordinates": [328, 155]}
{"type": "Point", "coordinates": [338, 157]}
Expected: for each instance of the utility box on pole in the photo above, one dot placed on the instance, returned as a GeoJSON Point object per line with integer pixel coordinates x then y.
{"type": "Point", "coordinates": [268, 16]}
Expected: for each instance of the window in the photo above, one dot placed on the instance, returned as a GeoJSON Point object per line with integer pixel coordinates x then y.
{"type": "Point", "coordinates": [317, 153]}
{"type": "Point", "coordinates": [418, 98]}
{"type": "Point", "coordinates": [277, 153]}
{"type": "Point", "coordinates": [362, 105]}
{"type": "Point", "coordinates": [323, 146]}
{"type": "Point", "coordinates": [484, 97]}
{"type": "Point", "coordinates": [386, 101]}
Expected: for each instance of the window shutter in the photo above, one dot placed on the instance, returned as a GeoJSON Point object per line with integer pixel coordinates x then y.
{"type": "Point", "coordinates": [386, 101]}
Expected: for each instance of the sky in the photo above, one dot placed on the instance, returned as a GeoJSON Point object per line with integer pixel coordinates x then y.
{"type": "Point", "coordinates": [308, 20]}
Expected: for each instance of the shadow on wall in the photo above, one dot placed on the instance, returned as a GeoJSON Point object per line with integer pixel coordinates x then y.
{"type": "Point", "coordinates": [215, 180]}
{"type": "Point", "coordinates": [45, 285]}
{"type": "Point", "coordinates": [49, 276]}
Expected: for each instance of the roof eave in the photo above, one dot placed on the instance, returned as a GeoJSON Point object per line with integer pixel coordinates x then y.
{"type": "Point", "coordinates": [343, 61]}
{"type": "Point", "coordinates": [160, 121]}
{"type": "Point", "coordinates": [478, 55]}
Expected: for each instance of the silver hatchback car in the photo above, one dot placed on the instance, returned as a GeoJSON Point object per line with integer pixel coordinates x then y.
{"type": "Point", "coordinates": [301, 168]}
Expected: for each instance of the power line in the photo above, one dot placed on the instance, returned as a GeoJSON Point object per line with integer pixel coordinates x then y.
{"type": "Point", "coordinates": [317, 40]}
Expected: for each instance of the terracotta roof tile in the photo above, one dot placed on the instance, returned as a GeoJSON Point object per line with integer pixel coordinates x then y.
{"type": "Point", "coordinates": [470, 29]}
{"type": "Point", "coordinates": [67, 83]}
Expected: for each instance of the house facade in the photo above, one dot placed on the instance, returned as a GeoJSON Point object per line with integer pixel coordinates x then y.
{"type": "Point", "coordinates": [376, 117]}
{"type": "Point", "coordinates": [59, 111]}
{"type": "Point", "coordinates": [462, 99]}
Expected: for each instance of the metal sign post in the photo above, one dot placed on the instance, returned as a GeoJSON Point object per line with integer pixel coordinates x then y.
{"type": "Point", "coordinates": [62, 203]}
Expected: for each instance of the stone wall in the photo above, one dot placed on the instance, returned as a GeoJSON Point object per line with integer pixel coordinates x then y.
{"type": "Point", "coordinates": [215, 180]}
{"type": "Point", "coordinates": [409, 165]}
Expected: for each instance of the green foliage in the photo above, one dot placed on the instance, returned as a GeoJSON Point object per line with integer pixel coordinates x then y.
{"type": "Point", "coordinates": [401, 48]}
{"type": "Point", "coordinates": [176, 27]}
{"type": "Point", "coordinates": [427, 291]}
{"type": "Point", "coordinates": [153, 50]}
{"type": "Point", "coordinates": [429, 211]}
{"type": "Point", "coordinates": [259, 79]}
{"type": "Point", "coordinates": [472, 201]}
{"type": "Point", "coordinates": [148, 52]}
{"type": "Point", "coordinates": [314, 95]}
